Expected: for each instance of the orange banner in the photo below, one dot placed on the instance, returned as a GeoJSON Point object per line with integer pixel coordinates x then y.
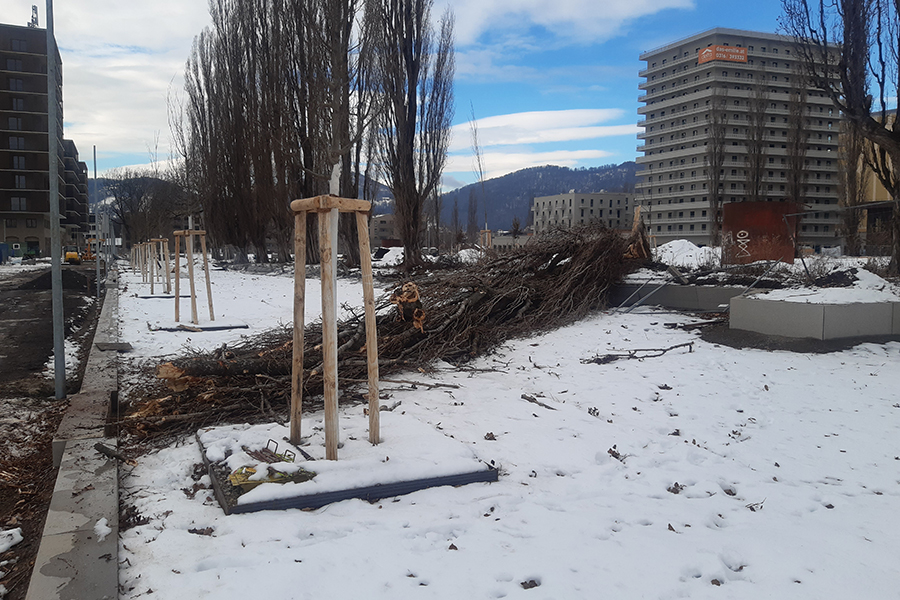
{"type": "Point", "coordinates": [726, 53]}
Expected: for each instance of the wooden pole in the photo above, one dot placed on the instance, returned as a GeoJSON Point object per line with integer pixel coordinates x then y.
{"type": "Point", "coordinates": [328, 222]}
{"type": "Point", "coordinates": [164, 244]}
{"type": "Point", "coordinates": [177, 276]}
{"type": "Point", "coordinates": [151, 264]}
{"type": "Point", "coordinates": [299, 324]}
{"type": "Point", "coordinates": [189, 254]}
{"type": "Point", "coordinates": [212, 316]}
{"type": "Point", "coordinates": [365, 261]}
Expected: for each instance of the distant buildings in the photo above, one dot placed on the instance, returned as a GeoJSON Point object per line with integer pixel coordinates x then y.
{"type": "Point", "coordinates": [25, 155]}
{"type": "Point", "coordinates": [736, 94]}
{"type": "Point", "coordinates": [614, 209]}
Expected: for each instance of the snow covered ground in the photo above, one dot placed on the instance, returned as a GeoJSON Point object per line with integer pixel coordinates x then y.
{"type": "Point", "coordinates": [707, 472]}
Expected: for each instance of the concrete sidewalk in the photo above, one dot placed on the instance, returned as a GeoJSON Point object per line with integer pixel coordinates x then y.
{"type": "Point", "coordinates": [78, 554]}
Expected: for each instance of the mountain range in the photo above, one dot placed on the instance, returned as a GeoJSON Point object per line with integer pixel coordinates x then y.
{"type": "Point", "coordinates": [510, 196]}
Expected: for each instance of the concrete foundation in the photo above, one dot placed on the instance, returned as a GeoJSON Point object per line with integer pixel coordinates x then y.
{"type": "Point", "coordinates": [679, 297]}
{"type": "Point", "coordinates": [817, 321]}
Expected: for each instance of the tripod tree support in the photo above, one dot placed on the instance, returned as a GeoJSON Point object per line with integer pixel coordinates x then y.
{"type": "Point", "coordinates": [328, 209]}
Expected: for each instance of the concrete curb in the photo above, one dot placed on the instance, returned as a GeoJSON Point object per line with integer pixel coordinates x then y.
{"type": "Point", "coordinates": [78, 554]}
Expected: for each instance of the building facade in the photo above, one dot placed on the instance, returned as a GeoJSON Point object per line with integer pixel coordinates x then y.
{"type": "Point", "coordinates": [734, 99]}
{"type": "Point", "coordinates": [614, 209]}
{"type": "Point", "coordinates": [25, 154]}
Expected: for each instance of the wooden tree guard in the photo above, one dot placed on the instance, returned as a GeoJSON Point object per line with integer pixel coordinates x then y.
{"type": "Point", "coordinates": [328, 209]}
{"type": "Point", "coordinates": [188, 236]}
{"type": "Point", "coordinates": [161, 251]}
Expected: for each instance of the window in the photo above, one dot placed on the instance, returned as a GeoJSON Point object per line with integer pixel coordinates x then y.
{"type": "Point", "coordinates": [18, 46]}
{"type": "Point", "coordinates": [12, 223]}
{"type": "Point", "coordinates": [18, 104]}
{"type": "Point", "coordinates": [13, 64]}
{"type": "Point", "coordinates": [18, 162]}
{"type": "Point", "coordinates": [16, 143]}
{"type": "Point", "coordinates": [16, 85]}
{"type": "Point", "coordinates": [31, 223]}
{"type": "Point", "coordinates": [20, 182]}
{"type": "Point", "coordinates": [15, 123]}
{"type": "Point", "coordinates": [18, 203]}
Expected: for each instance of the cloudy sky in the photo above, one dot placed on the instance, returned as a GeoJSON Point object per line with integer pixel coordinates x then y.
{"type": "Point", "coordinates": [549, 82]}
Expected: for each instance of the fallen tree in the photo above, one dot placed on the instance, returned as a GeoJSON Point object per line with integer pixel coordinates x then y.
{"type": "Point", "coordinates": [554, 280]}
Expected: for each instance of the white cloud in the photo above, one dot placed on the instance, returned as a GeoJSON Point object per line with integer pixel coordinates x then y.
{"type": "Point", "coordinates": [538, 127]}
{"type": "Point", "coordinates": [119, 59]}
{"type": "Point", "coordinates": [501, 163]}
{"type": "Point", "coordinates": [571, 20]}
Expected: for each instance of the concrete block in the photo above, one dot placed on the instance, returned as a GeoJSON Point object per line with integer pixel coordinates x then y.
{"type": "Point", "coordinates": [895, 327]}
{"type": "Point", "coordinates": [789, 319]}
{"type": "Point", "coordinates": [853, 320]}
{"type": "Point", "coordinates": [676, 296]}
{"type": "Point", "coordinates": [712, 298]}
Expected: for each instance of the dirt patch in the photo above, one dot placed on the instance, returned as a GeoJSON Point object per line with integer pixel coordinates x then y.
{"type": "Point", "coordinates": [29, 415]}
{"type": "Point", "coordinates": [71, 280]}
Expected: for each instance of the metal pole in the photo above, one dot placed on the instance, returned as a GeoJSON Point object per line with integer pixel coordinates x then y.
{"type": "Point", "coordinates": [59, 343]}
{"type": "Point", "coordinates": [96, 249]}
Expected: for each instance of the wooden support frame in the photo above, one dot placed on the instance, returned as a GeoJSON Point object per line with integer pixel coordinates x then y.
{"type": "Point", "coordinates": [188, 236]}
{"type": "Point", "coordinates": [161, 252]}
{"type": "Point", "coordinates": [328, 209]}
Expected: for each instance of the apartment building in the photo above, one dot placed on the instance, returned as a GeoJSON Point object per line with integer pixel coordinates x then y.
{"type": "Point", "coordinates": [614, 209]}
{"type": "Point", "coordinates": [740, 91]}
{"type": "Point", "coordinates": [25, 154]}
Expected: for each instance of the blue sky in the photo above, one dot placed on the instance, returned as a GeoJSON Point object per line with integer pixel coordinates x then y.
{"type": "Point", "coordinates": [550, 82]}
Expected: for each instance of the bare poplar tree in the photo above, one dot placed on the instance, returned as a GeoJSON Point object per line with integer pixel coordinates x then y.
{"type": "Point", "coordinates": [472, 220]}
{"type": "Point", "coordinates": [756, 138]}
{"type": "Point", "coordinates": [716, 122]}
{"type": "Point", "coordinates": [849, 49]}
{"type": "Point", "coordinates": [797, 137]}
{"type": "Point", "coordinates": [455, 226]}
{"type": "Point", "coordinates": [415, 77]}
{"type": "Point", "coordinates": [854, 180]}
{"type": "Point", "coordinates": [478, 156]}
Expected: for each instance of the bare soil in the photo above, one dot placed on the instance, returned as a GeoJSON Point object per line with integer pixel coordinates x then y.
{"type": "Point", "coordinates": [29, 413]}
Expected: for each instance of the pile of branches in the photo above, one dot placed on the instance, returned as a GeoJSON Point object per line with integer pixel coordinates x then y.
{"type": "Point", "coordinates": [554, 280]}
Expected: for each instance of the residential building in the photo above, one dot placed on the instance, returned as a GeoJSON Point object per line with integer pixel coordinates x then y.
{"type": "Point", "coordinates": [614, 209]}
{"type": "Point", "coordinates": [738, 92]}
{"type": "Point", "coordinates": [25, 165]}
{"type": "Point", "coordinates": [382, 231]}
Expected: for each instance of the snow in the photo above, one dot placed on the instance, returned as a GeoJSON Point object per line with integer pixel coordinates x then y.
{"type": "Point", "coordinates": [868, 287]}
{"type": "Point", "coordinates": [685, 254]}
{"type": "Point", "coordinates": [786, 467]}
{"type": "Point", "coordinates": [392, 258]}
{"type": "Point", "coordinates": [251, 303]}
{"type": "Point", "coordinates": [102, 529]}
{"type": "Point", "coordinates": [10, 538]}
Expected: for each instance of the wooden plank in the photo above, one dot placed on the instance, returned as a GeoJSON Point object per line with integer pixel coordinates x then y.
{"type": "Point", "coordinates": [189, 253]}
{"type": "Point", "coordinates": [184, 232]}
{"type": "Point", "coordinates": [212, 315]}
{"type": "Point", "coordinates": [328, 223]}
{"type": "Point", "coordinates": [165, 245]}
{"type": "Point", "coordinates": [299, 324]}
{"type": "Point", "coordinates": [151, 263]}
{"type": "Point", "coordinates": [365, 260]}
{"type": "Point", "coordinates": [327, 203]}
